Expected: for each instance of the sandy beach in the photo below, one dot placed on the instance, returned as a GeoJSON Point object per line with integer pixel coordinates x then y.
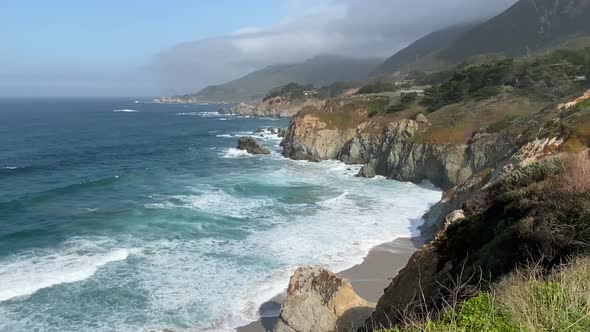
{"type": "Point", "coordinates": [369, 278]}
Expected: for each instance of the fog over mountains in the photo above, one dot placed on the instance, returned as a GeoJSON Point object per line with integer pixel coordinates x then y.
{"type": "Point", "coordinates": [356, 28]}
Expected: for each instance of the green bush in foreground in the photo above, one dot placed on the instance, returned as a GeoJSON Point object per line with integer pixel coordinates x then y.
{"type": "Point", "coordinates": [524, 301]}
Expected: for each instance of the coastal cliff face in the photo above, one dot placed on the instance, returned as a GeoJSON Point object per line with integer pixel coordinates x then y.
{"type": "Point", "coordinates": [495, 159]}
{"type": "Point", "coordinates": [408, 146]}
{"type": "Point", "coordinates": [320, 134]}
{"type": "Point", "coordinates": [277, 107]}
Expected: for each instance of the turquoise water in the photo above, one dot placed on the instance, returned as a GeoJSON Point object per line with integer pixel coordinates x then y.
{"type": "Point", "coordinates": [116, 216]}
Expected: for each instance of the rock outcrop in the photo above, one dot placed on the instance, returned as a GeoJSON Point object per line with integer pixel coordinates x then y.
{"type": "Point", "coordinates": [321, 134]}
{"type": "Point", "coordinates": [318, 300]}
{"type": "Point", "coordinates": [405, 147]}
{"type": "Point", "coordinates": [278, 107]}
{"type": "Point", "coordinates": [251, 145]}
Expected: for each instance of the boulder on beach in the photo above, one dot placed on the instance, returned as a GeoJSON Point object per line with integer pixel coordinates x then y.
{"type": "Point", "coordinates": [318, 300]}
{"type": "Point", "coordinates": [251, 145]}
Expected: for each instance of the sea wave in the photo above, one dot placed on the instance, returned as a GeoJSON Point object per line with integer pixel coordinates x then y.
{"type": "Point", "coordinates": [125, 111]}
{"type": "Point", "coordinates": [233, 153]}
{"type": "Point", "coordinates": [216, 202]}
{"type": "Point", "coordinates": [203, 114]}
{"type": "Point", "coordinates": [29, 272]}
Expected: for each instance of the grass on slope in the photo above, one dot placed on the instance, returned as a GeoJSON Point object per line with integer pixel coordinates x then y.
{"type": "Point", "coordinates": [524, 301]}
{"type": "Point", "coordinates": [456, 124]}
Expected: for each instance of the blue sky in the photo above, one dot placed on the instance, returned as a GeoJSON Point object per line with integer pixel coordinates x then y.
{"type": "Point", "coordinates": [116, 32]}
{"type": "Point", "coordinates": [156, 47]}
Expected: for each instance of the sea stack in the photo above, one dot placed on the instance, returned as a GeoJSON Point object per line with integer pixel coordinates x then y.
{"type": "Point", "coordinates": [251, 145]}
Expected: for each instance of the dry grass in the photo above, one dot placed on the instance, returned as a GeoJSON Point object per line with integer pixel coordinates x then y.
{"type": "Point", "coordinates": [455, 124]}
{"type": "Point", "coordinates": [575, 177]}
{"type": "Point", "coordinates": [560, 302]}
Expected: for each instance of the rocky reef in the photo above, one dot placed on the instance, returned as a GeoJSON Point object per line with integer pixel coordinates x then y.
{"type": "Point", "coordinates": [251, 145]}
{"type": "Point", "coordinates": [277, 107]}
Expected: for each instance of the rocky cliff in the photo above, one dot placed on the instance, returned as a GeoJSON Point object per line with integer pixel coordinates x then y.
{"type": "Point", "coordinates": [410, 146]}
{"type": "Point", "coordinates": [504, 201]}
{"type": "Point", "coordinates": [278, 107]}
{"type": "Point", "coordinates": [320, 134]}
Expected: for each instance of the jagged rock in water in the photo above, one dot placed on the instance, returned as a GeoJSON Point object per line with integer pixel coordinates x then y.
{"type": "Point", "coordinates": [319, 301]}
{"type": "Point", "coordinates": [251, 145]}
{"type": "Point", "coordinates": [224, 111]}
{"type": "Point", "coordinates": [367, 171]}
{"type": "Point", "coordinates": [259, 130]}
{"type": "Point", "coordinates": [281, 132]}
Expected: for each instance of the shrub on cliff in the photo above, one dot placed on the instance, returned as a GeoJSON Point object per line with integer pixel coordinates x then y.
{"type": "Point", "coordinates": [549, 77]}
{"type": "Point", "coordinates": [292, 91]}
{"type": "Point", "coordinates": [539, 213]}
{"type": "Point", "coordinates": [559, 302]}
{"type": "Point", "coordinates": [376, 87]}
{"type": "Point", "coordinates": [527, 300]}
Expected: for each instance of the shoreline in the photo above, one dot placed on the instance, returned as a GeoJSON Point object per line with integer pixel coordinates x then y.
{"type": "Point", "coordinates": [368, 278]}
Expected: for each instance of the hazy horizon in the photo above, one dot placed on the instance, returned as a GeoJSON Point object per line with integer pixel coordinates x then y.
{"type": "Point", "coordinates": [67, 48]}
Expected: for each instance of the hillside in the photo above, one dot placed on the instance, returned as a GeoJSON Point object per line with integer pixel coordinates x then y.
{"type": "Point", "coordinates": [318, 71]}
{"type": "Point", "coordinates": [426, 46]}
{"type": "Point", "coordinates": [528, 26]}
{"type": "Point", "coordinates": [508, 142]}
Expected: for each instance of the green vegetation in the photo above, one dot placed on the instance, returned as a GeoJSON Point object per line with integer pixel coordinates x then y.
{"type": "Point", "coordinates": [527, 300]}
{"type": "Point", "coordinates": [291, 91]}
{"type": "Point", "coordinates": [376, 87]}
{"type": "Point", "coordinates": [377, 106]}
{"type": "Point", "coordinates": [335, 89]}
{"type": "Point", "coordinates": [539, 215]}
{"type": "Point", "coordinates": [318, 71]}
{"type": "Point", "coordinates": [502, 124]}
{"type": "Point", "coordinates": [548, 77]}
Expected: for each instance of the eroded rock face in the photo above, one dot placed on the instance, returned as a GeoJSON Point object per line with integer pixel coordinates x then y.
{"type": "Point", "coordinates": [279, 107]}
{"type": "Point", "coordinates": [251, 145]}
{"type": "Point", "coordinates": [391, 151]}
{"type": "Point", "coordinates": [321, 134]}
{"type": "Point", "coordinates": [311, 138]}
{"type": "Point", "coordinates": [319, 301]}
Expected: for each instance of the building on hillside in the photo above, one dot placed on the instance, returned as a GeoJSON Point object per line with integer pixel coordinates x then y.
{"type": "Point", "coordinates": [407, 95]}
{"type": "Point", "coordinates": [580, 78]}
{"type": "Point", "coordinates": [310, 92]}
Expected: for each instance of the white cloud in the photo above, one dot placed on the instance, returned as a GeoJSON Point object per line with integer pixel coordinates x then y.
{"type": "Point", "coordinates": [361, 28]}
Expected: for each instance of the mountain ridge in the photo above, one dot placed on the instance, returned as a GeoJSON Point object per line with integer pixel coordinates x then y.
{"type": "Point", "coordinates": [319, 71]}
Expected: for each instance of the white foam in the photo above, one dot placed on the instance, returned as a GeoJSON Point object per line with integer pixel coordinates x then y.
{"type": "Point", "coordinates": [214, 280]}
{"type": "Point", "coordinates": [29, 272]}
{"type": "Point", "coordinates": [10, 167]}
{"type": "Point", "coordinates": [215, 202]}
{"type": "Point", "coordinates": [125, 111]}
{"type": "Point", "coordinates": [233, 153]}
{"type": "Point", "coordinates": [337, 231]}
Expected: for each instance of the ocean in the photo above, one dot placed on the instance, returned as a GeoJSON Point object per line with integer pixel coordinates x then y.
{"type": "Point", "coordinates": [123, 216]}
